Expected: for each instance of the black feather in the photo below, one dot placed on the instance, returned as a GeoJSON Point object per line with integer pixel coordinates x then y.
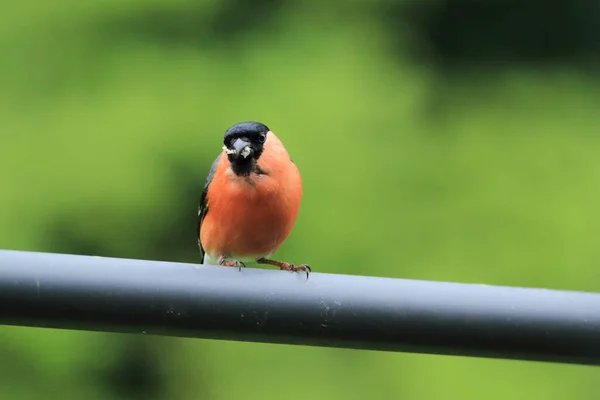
{"type": "Point", "coordinates": [203, 206]}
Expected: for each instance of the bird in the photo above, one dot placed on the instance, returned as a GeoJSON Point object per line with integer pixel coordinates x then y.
{"type": "Point", "coordinates": [250, 200]}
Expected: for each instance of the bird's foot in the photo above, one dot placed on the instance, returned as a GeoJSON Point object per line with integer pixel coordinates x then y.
{"type": "Point", "coordinates": [285, 266]}
{"type": "Point", "coordinates": [223, 261]}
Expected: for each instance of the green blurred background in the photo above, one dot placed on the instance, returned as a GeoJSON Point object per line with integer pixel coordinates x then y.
{"type": "Point", "coordinates": [455, 141]}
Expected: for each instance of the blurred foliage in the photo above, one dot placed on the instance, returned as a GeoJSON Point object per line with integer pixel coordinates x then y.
{"type": "Point", "coordinates": [111, 113]}
{"type": "Point", "coordinates": [458, 33]}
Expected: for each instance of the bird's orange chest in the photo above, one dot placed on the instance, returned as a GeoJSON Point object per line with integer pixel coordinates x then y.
{"type": "Point", "coordinates": [250, 216]}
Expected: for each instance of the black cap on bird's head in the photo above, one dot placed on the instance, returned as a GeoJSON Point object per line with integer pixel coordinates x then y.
{"type": "Point", "coordinates": [243, 144]}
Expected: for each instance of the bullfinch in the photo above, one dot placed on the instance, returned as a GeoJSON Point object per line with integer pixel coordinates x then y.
{"type": "Point", "coordinates": [250, 200]}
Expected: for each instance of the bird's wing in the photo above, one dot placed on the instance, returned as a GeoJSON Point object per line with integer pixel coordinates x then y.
{"type": "Point", "coordinates": [203, 205]}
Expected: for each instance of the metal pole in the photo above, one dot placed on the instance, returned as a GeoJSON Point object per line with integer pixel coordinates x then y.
{"type": "Point", "coordinates": [187, 300]}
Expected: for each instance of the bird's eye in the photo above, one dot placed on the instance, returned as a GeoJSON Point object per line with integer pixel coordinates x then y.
{"type": "Point", "coordinates": [262, 138]}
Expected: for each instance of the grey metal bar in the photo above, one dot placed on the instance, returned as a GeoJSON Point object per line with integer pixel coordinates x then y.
{"type": "Point", "coordinates": [176, 299]}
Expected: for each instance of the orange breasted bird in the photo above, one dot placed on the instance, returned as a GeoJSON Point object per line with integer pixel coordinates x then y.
{"type": "Point", "coordinates": [250, 200]}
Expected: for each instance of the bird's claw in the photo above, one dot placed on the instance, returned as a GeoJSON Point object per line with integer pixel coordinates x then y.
{"type": "Point", "coordinates": [291, 267]}
{"type": "Point", "coordinates": [231, 263]}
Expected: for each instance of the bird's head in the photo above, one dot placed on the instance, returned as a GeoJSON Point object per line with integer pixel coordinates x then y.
{"type": "Point", "coordinates": [244, 144]}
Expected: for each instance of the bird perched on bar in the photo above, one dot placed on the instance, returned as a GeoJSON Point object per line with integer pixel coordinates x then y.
{"type": "Point", "coordinates": [250, 200]}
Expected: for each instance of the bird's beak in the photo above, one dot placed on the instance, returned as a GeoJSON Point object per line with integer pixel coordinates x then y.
{"type": "Point", "coordinates": [242, 147]}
